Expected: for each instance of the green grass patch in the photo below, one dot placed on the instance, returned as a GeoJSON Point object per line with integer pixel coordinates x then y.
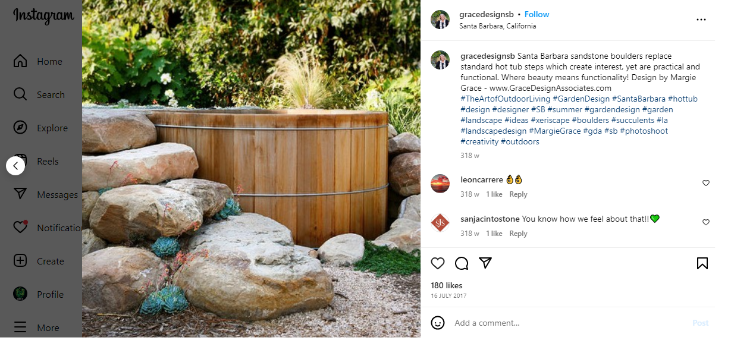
{"type": "Point", "coordinates": [384, 261]}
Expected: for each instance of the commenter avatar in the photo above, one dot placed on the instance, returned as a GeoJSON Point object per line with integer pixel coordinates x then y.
{"type": "Point", "coordinates": [440, 60]}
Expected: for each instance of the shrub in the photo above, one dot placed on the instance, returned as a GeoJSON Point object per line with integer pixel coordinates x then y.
{"type": "Point", "coordinates": [304, 83]}
{"type": "Point", "coordinates": [165, 247]}
{"type": "Point", "coordinates": [400, 98]}
{"type": "Point", "coordinates": [227, 45]}
{"type": "Point", "coordinates": [381, 260]}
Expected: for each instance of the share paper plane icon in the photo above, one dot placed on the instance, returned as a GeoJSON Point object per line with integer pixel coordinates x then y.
{"type": "Point", "coordinates": [20, 192]}
{"type": "Point", "coordinates": [485, 261]}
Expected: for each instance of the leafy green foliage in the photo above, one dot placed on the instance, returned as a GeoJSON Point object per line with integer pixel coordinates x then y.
{"type": "Point", "coordinates": [231, 208]}
{"type": "Point", "coordinates": [119, 65]}
{"type": "Point", "coordinates": [228, 47]}
{"type": "Point", "coordinates": [170, 299]}
{"type": "Point", "coordinates": [400, 98]}
{"type": "Point", "coordinates": [381, 260]}
{"type": "Point", "coordinates": [165, 247]}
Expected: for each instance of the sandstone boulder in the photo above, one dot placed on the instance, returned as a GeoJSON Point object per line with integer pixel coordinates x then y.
{"type": "Point", "coordinates": [252, 271]}
{"type": "Point", "coordinates": [144, 212]}
{"type": "Point", "coordinates": [343, 250]}
{"type": "Point", "coordinates": [392, 131]}
{"type": "Point", "coordinates": [410, 208]}
{"type": "Point", "coordinates": [109, 131]}
{"type": "Point", "coordinates": [211, 195]}
{"type": "Point", "coordinates": [114, 279]}
{"type": "Point", "coordinates": [150, 165]}
{"type": "Point", "coordinates": [88, 200]}
{"type": "Point", "coordinates": [404, 143]}
{"type": "Point", "coordinates": [404, 174]}
{"type": "Point", "coordinates": [404, 233]}
{"type": "Point", "coordinates": [90, 242]}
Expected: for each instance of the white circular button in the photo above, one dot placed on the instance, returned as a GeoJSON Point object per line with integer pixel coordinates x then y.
{"type": "Point", "coordinates": [15, 165]}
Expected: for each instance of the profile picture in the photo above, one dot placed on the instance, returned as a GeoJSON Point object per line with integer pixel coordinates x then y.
{"type": "Point", "coordinates": [440, 60]}
{"type": "Point", "coordinates": [440, 19]}
{"type": "Point", "coordinates": [440, 183]}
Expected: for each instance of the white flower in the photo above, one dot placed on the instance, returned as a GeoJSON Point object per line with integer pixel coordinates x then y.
{"type": "Point", "coordinates": [166, 78]}
{"type": "Point", "coordinates": [374, 100]}
{"type": "Point", "coordinates": [169, 93]}
{"type": "Point", "coordinates": [172, 103]}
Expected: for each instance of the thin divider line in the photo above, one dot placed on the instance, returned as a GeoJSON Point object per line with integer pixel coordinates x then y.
{"type": "Point", "coordinates": [570, 247]}
{"type": "Point", "coordinates": [573, 40]}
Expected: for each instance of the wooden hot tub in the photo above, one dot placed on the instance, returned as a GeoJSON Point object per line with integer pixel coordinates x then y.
{"type": "Point", "coordinates": [321, 173]}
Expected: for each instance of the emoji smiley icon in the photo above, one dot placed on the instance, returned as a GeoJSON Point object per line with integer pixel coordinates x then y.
{"type": "Point", "coordinates": [437, 322]}
{"type": "Point", "coordinates": [518, 179]}
{"type": "Point", "coordinates": [510, 179]}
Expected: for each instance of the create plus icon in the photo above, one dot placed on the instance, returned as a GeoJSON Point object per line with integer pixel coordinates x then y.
{"type": "Point", "coordinates": [19, 260]}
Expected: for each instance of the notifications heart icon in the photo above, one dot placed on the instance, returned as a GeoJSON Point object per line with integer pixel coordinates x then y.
{"type": "Point", "coordinates": [705, 221]}
{"type": "Point", "coordinates": [20, 226]}
{"type": "Point", "coordinates": [437, 262]}
{"type": "Point", "coordinates": [706, 182]}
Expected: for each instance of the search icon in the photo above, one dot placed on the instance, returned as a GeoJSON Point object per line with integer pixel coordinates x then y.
{"type": "Point", "coordinates": [22, 94]}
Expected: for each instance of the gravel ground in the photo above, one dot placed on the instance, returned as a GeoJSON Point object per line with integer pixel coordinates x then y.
{"type": "Point", "coordinates": [363, 306]}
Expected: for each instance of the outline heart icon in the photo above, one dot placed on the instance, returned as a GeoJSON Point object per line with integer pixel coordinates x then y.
{"type": "Point", "coordinates": [706, 182]}
{"type": "Point", "coordinates": [16, 225]}
{"type": "Point", "coordinates": [437, 259]}
{"type": "Point", "coordinates": [705, 221]}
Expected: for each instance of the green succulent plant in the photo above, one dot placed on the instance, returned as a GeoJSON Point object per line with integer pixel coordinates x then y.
{"type": "Point", "coordinates": [165, 247]}
{"type": "Point", "coordinates": [231, 208]}
{"type": "Point", "coordinates": [170, 299]}
{"type": "Point", "coordinates": [152, 305]}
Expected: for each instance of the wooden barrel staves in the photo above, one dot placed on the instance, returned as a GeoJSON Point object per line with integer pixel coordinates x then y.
{"type": "Point", "coordinates": [321, 173]}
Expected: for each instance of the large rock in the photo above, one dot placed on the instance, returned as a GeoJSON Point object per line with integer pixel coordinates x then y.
{"type": "Point", "coordinates": [343, 250]}
{"type": "Point", "coordinates": [116, 279]}
{"type": "Point", "coordinates": [90, 242]}
{"type": "Point", "coordinates": [88, 200]}
{"type": "Point", "coordinates": [404, 174]}
{"type": "Point", "coordinates": [144, 211]}
{"type": "Point", "coordinates": [108, 131]}
{"type": "Point", "coordinates": [392, 131]}
{"type": "Point", "coordinates": [211, 195]}
{"type": "Point", "coordinates": [252, 271]}
{"type": "Point", "coordinates": [404, 143]}
{"type": "Point", "coordinates": [410, 208]}
{"type": "Point", "coordinates": [404, 233]}
{"type": "Point", "coordinates": [150, 165]}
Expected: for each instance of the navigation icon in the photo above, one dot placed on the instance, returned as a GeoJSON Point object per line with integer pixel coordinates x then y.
{"type": "Point", "coordinates": [19, 260]}
{"type": "Point", "coordinates": [19, 61]}
{"type": "Point", "coordinates": [20, 293]}
{"type": "Point", "coordinates": [19, 326]}
{"type": "Point", "coordinates": [20, 192]}
{"type": "Point", "coordinates": [15, 165]}
{"type": "Point", "coordinates": [485, 261]}
{"type": "Point", "coordinates": [23, 157]}
{"type": "Point", "coordinates": [20, 127]}
{"type": "Point", "coordinates": [20, 226]}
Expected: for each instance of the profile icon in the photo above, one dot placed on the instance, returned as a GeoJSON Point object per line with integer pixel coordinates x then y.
{"type": "Point", "coordinates": [439, 19]}
{"type": "Point", "coordinates": [440, 60]}
{"type": "Point", "coordinates": [440, 183]}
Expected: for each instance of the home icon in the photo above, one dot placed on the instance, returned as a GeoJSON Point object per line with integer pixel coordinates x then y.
{"type": "Point", "coordinates": [19, 61]}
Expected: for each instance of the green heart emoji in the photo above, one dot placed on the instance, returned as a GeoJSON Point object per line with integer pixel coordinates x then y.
{"type": "Point", "coordinates": [655, 218]}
